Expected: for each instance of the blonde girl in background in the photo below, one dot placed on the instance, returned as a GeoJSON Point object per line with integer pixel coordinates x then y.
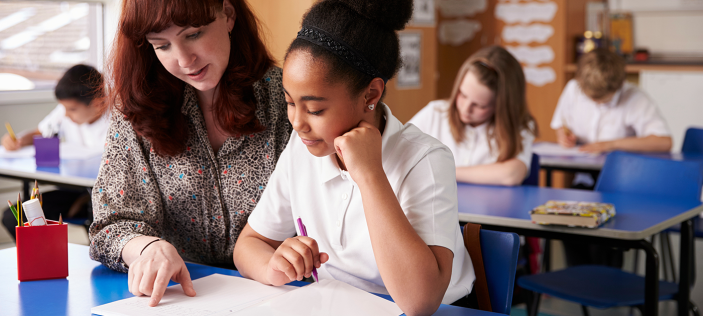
{"type": "Point", "coordinates": [485, 122]}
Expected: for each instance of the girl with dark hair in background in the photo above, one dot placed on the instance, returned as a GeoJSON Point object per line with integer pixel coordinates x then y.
{"type": "Point", "coordinates": [485, 121]}
{"type": "Point", "coordinates": [198, 127]}
{"type": "Point", "coordinates": [378, 198]}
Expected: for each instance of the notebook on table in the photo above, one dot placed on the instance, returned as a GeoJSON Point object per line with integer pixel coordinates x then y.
{"type": "Point", "coordinates": [219, 295]}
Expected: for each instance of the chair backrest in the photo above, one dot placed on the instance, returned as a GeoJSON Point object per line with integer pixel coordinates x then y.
{"type": "Point", "coordinates": [693, 141]}
{"type": "Point", "coordinates": [634, 173]}
{"type": "Point", "coordinates": [500, 251]}
{"type": "Point", "coordinates": [533, 178]}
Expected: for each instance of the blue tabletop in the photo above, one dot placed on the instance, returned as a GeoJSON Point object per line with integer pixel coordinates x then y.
{"type": "Point", "coordinates": [638, 216]}
{"type": "Point", "coordinates": [79, 172]}
{"type": "Point", "coordinates": [91, 284]}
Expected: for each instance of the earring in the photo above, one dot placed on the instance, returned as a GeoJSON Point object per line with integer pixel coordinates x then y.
{"type": "Point", "coordinates": [372, 106]}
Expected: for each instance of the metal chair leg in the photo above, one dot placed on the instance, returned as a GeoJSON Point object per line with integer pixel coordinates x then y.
{"type": "Point", "coordinates": [533, 304]}
{"type": "Point", "coordinates": [670, 254]}
{"type": "Point", "coordinates": [584, 309]}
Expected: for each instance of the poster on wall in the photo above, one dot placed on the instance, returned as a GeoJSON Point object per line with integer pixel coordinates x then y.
{"type": "Point", "coordinates": [424, 14]}
{"type": "Point", "coordinates": [410, 48]}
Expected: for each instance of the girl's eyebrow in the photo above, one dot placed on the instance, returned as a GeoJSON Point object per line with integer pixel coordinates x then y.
{"type": "Point", "coordinates": [307, 97]}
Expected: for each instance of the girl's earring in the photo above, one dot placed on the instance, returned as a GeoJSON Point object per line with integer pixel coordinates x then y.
{"type": "Point", "coordinates": [372, 106]}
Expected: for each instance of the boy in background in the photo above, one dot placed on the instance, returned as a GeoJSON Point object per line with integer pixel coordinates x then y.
{"type": "Point", "coordinates": [79, 119]}
{"type": "Point", "coordinates": [601, 112]}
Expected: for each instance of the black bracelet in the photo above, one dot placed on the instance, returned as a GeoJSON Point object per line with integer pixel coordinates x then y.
{"type": "Point", "coordinates": [147, 245]}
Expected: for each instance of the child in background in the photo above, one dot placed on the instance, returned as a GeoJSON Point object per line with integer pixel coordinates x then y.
{"type": "Point", "coordinates": [79, 119]}
{"type": "Point", "coordinates": [602, 112]}
{"type": "Point", "coordinates": [378, 198]}
{"type": "Point", "coordinates": [485, 122]}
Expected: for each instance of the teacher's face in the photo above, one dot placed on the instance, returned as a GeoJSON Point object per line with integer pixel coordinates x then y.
{"type": "Point", "coordinates": [196, 55]}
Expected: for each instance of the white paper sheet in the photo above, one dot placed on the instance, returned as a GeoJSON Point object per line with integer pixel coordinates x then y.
{"type": "Point", "coordinates": [539, 76]}
{"type": "Point", "coordinates": [457, 32]}
{"type": "Point", "coordinates": [526, 12]}
{"type": "Point", "coordinates": [554, 149]}
{"type": "Point", "coordinates": [66, 151]}
{"type": "Point", "coordinates": [24, 152]}
{"type": "Point", "coordinates": [328, 297]}
{"type": "Point", "coordinates": [532, 56]}
{"type": "Point", "coordinates": [217, 294]}
{"type": "Point", "coordinates": [525, 34]}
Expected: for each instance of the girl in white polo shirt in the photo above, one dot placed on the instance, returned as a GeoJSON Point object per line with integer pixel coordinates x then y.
{"type": "Point", "coordinates": [378, 198]}
{"type": "Point", "coordinates": [485, 121]}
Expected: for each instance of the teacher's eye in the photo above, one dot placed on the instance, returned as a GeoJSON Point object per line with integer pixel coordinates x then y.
{"type": "Point", "coordinates": [194, 35]}
{"type": "Point", "coordinates": [162, 47]}
{"type": "Point", "coordinates": [316, 112]}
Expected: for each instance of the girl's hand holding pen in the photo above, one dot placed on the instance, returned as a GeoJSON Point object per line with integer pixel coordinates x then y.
{"type": "Point", "coordinates": [293, 260]}
{"type": "Point", "coordinates": [360, 150]}
{"type": "Point", "coordinates": [9, 143]}
{"type": "Point", "coordinates": [565, 137]}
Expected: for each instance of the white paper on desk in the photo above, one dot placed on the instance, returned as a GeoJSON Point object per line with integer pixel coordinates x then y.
{"type": "Point", "coordinates": [66, 151]}
{"type": "Point", "coordinates": [74, 151]}
{"type": "Point", "coordinates": [24, 152]}
{"type": "Point", "coordinates": [328, 297]}
{"type": "Point", "coordinates": [554, 149]}
{"type": "Point", "coordinates": [217, 294]}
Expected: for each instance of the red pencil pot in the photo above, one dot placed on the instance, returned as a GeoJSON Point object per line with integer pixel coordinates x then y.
{"type": "Point", "coordinates": [42, 251]}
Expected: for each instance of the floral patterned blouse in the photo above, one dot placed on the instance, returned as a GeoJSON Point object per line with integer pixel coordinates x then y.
{"type": "Point", "coordinates": [199, 200]}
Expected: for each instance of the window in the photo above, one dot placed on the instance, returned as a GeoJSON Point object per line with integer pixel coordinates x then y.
{"type": "Point", "coordinates": [40, 40]}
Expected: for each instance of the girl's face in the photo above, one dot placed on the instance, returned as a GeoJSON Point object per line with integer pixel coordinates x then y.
{"type": "Point", "coordinates": [196, 55]}
{"type": "Point", "coordinates": [81, 113]}
{"type": "Point", "coordinates": [474, 102]}
{"type": "Point", "coordinates": [319, 111]}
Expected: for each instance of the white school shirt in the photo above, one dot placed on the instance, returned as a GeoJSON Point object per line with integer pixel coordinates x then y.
{"type": "Point", "coordinates": [86, 135]}
{"type": "Point", "coordinates": [433, 119]}
{"type": "Point", "coordinates": [630, 113]}
{"type": "Point", "coordinates": [421, 173]}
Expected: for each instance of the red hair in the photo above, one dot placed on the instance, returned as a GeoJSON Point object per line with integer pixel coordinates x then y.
{"type": "Point", "coordinates": [150, 97]}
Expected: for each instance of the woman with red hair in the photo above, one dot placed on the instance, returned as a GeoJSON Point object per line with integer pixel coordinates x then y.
{"type": "Point", "coordinates": [199, 123]}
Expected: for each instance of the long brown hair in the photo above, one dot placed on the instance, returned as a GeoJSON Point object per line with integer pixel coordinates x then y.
{"type": "Point", "coordinates": [498, 70]}
{"type": "Point", "coordinates": [150, 97]}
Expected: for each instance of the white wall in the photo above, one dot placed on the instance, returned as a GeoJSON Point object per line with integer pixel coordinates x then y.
{"type": "Point", "coordinates": [679, 96]}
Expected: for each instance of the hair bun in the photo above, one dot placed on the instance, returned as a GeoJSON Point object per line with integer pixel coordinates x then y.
{"type": "Point", "coordinates": [392, 14]}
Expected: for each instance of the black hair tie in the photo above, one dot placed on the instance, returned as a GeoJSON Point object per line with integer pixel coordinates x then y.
{"type": "Point", "coordinates": [338, 47]}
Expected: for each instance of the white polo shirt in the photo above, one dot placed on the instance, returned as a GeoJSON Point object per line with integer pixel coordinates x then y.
{"type": "Point", "coordinates": [421, 173]}
{"type": "Point", "coordinates": [86, 135]}
{"type": "Point", "coordinates": [630, 113]}
{"type": "Point", "coordinates": [433, 119]}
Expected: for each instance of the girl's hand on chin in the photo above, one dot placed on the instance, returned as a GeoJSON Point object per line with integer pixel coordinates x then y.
{"type": "Point", "coordinates": [360, 150]}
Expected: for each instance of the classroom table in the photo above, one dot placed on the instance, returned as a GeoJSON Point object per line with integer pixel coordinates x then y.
{"type": "Point", "coordinates": [71, 173]}
{"type": "Point", "coordinates": [550, 162]}
{"type": "Point", "coordinates": [638, 217]}
{"type": "Point", "coordinates": [91, 284]}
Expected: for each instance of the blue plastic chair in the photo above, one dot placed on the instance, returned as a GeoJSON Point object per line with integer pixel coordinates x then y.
{"type": "Point", "coordinates": [693, 141]}
{"type": "Point", "coordinates": [533, 178]}
{"type": "Point", "coordinates": [500, 253]}
{"type": "Point", "coordinates": [605, 287]}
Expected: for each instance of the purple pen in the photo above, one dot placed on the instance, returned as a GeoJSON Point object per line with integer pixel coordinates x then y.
{"type": "Point", "coordinates": [304, 232]}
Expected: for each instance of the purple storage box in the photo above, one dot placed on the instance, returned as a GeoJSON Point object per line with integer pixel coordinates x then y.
{"type": "Point", "coordinates": [47, 151]}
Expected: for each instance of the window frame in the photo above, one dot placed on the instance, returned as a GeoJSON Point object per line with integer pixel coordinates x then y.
{"type": "Point", "coordinates": [97, 28]}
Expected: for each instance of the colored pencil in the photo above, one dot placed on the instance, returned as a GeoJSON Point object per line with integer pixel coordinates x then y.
{"type": "Point", "coordinates": [10, 131]}
{"type": "Point", "coordinates": [14, 211]}
{"type": "Point", "coordinates": [60, 220]}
